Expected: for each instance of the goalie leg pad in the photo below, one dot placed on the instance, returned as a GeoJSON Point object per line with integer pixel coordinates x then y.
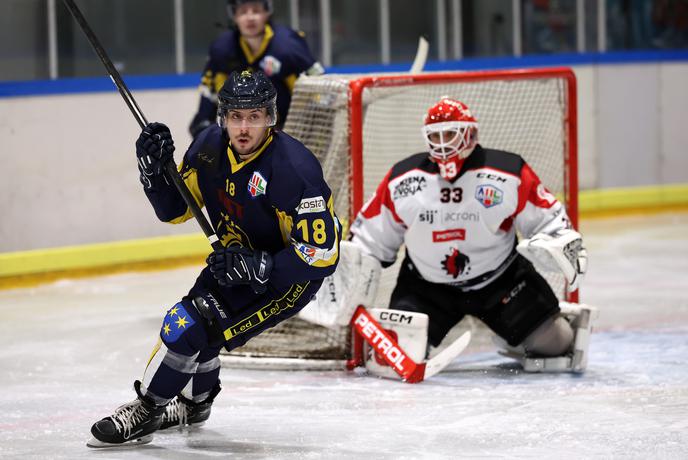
{"type": "Point", "coordinates": [409, 329]}
{"type": "Point", "coordinates": [553, 338]}
{"type": "Point", "coordinates": [581, 317]}
{"type": "Point", "coordinates": [354, 283]}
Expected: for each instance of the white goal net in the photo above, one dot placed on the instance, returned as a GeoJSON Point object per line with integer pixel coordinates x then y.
{"type": "Point", "coordinates": [359, 126]}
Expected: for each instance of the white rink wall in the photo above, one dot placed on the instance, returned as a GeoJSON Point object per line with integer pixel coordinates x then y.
{"type": "Point", "coordinates": [70, 168]}
{"type": "Point", "coordinates": [631, 125]}
{"type": "Point", "coordinates": [70, 175]}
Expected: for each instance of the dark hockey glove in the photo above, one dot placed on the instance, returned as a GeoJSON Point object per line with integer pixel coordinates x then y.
{"type": "Point", "coordinates": [236, 265]}
{"type": "Point", "coordinates": [154, 149]}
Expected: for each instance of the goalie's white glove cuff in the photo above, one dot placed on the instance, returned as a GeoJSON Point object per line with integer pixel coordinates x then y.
{"type": "Point", "coordinates": [562, 252]}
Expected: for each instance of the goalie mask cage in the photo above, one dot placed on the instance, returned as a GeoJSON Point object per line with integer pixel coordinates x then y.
{"type": "Point", "coordinates": [359, 126]}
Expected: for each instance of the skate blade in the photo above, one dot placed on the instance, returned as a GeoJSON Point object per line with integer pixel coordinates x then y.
{"type": "Point", "coordinates": [97, 444]}
{"type": "Point", "coordinates": [188, 427]}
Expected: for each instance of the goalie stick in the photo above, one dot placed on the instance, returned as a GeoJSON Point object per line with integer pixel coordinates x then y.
{"type": "Point", "coordinates": [365, 327]}
{"type": "Point", "coordinates": [170, 168]}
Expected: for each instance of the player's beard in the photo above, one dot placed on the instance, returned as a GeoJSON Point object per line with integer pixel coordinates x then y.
{"type": "Point", "coordinates": [245, 150]}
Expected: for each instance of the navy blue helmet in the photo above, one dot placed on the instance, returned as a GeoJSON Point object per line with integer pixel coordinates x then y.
{"type": "Point", "coordinates": [248, 89]}
{"type": "Point", "coordinates": [233, 4]}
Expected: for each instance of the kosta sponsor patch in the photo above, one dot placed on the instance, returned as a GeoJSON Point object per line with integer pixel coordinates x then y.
{"type": "Point", "coordinates": [313, 204]}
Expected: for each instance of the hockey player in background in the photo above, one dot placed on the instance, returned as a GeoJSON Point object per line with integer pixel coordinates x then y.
{"type": "Point", "coordinates": [273, 213]}
{"type": "Point", "coordinates": [254, 42]}
{"type": "Point", "coordinates": [457, 209]}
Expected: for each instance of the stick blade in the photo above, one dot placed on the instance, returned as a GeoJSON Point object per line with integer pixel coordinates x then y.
{"type": "Point", "coordinates": [421, 56]}
{"type": "Point", "coordinates": [435, 365]}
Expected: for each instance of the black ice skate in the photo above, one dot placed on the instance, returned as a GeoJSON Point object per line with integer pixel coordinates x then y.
{"type": "Point", "coordinates": [183, 412]}
{"type": "Point", "coordinates": [132, 423]}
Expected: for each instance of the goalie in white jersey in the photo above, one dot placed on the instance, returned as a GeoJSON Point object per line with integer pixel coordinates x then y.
{"type": "Point", "coordinates": [457, 209]}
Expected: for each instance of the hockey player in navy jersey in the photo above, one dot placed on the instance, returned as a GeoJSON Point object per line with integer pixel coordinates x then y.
{"type": "Point", "coordinates": [457, 209]}
{"type": "Point", "coordinates": [273, 212]}
{"type": "Point", "coordinates": [255, 42]}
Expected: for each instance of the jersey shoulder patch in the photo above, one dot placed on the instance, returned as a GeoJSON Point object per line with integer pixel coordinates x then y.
{"type": "Point", "coordinates": [501, 160]}
{"type": "Point", "coordinates": [419, 161]}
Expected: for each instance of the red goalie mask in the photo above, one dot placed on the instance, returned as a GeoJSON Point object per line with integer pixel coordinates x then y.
{"type": "Point", "coordinates": [451, 132]}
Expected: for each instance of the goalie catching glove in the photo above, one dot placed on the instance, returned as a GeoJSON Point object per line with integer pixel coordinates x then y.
{"type": "Point", "coordinates": [560, 251]}
{"type": "Point", "coordinates": [235, 265]}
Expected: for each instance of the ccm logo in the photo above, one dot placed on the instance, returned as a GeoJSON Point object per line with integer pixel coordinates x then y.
{"type": "Point", "coordinates": [395, 317]}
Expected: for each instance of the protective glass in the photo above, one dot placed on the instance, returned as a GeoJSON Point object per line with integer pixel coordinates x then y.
{"type": "Point", "coordinates": [248, 119]}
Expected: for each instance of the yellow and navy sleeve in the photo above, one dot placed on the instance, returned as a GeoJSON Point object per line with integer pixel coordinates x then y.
{"type": "Point", "coordinates": [310, 228]}
{"type": "Point", "coordinates": [168, 203]}
{"type": "Point", "coordinates": [314, 233]}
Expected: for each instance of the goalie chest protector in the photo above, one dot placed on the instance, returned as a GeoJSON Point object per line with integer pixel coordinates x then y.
{"type": "Point", "coordinates": [455, 232]}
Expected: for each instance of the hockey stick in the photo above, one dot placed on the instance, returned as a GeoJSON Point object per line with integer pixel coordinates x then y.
{"type": "Point", "coordinates": [366, 328]}
{"type": "Point", "coordinates": [170, 167]}
{"type": "Point", "coordinates": [421, 56]}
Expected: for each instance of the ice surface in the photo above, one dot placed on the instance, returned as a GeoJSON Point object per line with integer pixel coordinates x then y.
{"type": "Point", "coordinates": [71, 350]}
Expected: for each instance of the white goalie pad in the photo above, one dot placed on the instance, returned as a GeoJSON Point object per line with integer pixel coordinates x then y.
{"type": "Point", "coordinates": [560, 252]}
{"type": "Point", "coordinates": [581, 317]}
{"type": "Point", "coordinates": [408, 329]}
{"type": "Point", "coordinates": [353, 283]}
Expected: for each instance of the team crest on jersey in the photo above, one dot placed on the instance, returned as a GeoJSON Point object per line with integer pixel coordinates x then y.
{"type": "Point", "coordinates": [270, 65]}
{"type": "Point", "coordinates": [456, 263]}
{"type": "Point", "coordinates": [257, 185]}
{"type": "Point", "coordinates": [489, 195]}
{"type": "Point", "coordinates": [307, 252]}
{"type": "Point", "coordinates": [312, 254]}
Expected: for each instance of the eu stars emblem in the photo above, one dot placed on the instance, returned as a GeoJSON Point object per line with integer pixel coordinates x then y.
{"type": "Point", "coordinates": [176, 321]}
